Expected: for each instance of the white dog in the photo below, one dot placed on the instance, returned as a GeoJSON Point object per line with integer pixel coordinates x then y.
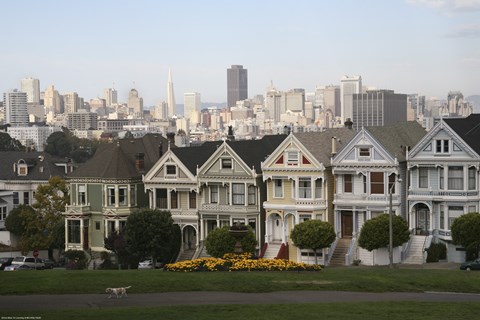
{"type": "Point", "coordinates": [118, 292]}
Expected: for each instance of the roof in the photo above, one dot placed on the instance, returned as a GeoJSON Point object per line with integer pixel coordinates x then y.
{"type": "Point", "coordinates": [467, 128]}
{"type": "Point", "coordinates": [41, 165]}
{"type": "Point", "coordinates": [117, 160]}
{"type": "Point", "coordinates": [397, 138]}
{"type": "Point", "coordinates": [193, 157]}
{"type": "Point", "coordinates": [319, 144]}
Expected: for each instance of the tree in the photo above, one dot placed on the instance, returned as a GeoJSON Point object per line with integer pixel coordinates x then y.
{"type": "Point", "coordinates": [314, 235]}
{"type": "Point", "coordinates": [220, 241]}
{"type": "Point", "coordinates": [375, 232]}
{"type": "Point", "coordinates": [59, 144]}
{"type": "Point", "coordinates": [45, 226]}
{"type": "Point", "coordinates": [7, 143]}
{"type": "Point", "coordinates": [150, 233]}
{"type": "Point", "coordinates": [117, 243]}
{"type": "Point", "coordinates": [466, 233]}
{"type": "Point", "coordinates": [15, 222]}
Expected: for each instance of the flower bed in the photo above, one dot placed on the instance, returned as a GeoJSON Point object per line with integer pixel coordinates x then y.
{"type": "Point", "coordinates": [239, 262]}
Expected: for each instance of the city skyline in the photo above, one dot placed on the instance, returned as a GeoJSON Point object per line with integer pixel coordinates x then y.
{"type": "Point", "coordinates": [414, 46]}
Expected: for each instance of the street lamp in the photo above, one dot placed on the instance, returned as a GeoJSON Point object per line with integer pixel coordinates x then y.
{"type": "Point", "coordinates": [390, 227]}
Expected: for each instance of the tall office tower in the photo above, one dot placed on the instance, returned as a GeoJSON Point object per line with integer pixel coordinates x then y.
{"type": "Point", "coordinates": [110, 95]}
{"type": "Point", "coordinates": [135, 104]}
{"type": "Point", "coordinates": [15, 104]}
{"type": "Point", "coordinates": [172, 108]}
{"type": "Point", "coordinates": [192, 102]}
{"type": "Point", "coordinates": [348, 87]}
{"type": "Point", "coordinates": [32, 87]}
{"type": "Point", "coordinates": [295, 100]}
{"type": "Point", "coordinates": [331, 100]}
{"type": "Point", "coordinates": [378, 108]}
{"type": "Point", "coordinates": [273, 104]}
{"type": "Point", "coordinates": [52, 101]}
{"type": "Point", "coordinates": [237, 85]}
{"type": "Point", "coordinates": [71, 102]}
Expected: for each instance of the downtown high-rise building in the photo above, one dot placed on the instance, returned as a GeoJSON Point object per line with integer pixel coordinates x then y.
{"type": "Point", "coordinates": [52, 101]}
{"type": "Point", "coordinates": [16, 112]}
{"type": "Point", "coordinates": [191, 102]}
{"type": "Point", "coordinates": [135, 104]}
{"type": "Point", "coordinates": [111, 96]}
{"type": "Point", "coordinates": [172, 107]}
{"type": "Point", "coordinates": [71, 102]}
{"type": "Point", "coordinates": [348, 87]}
{"type": "Point", "coordinates": [32, 87]}
{"type": "Point", "coordinates": [237, 85]}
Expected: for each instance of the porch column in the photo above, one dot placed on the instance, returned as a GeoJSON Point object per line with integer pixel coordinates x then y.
{"type": "Point", "coordinates": [284, 224]}
{"type": "Point", "coordinates": [81, 233]}
{"type": "Point", "coordinates": [202, 229]}
{"type": "Point", "coordinates": [152, 199]}
{"type": "Point", "coordinates": [354, 220]}
{"type": "Point", "coordinates": [266, 228]}
{"type": "Point", "coordinates": [182, 248]}
{"type": "Point", "coordinates": [66, 234]}
{"type": "Point", "coordinates": [430, 222]}
{"type": "Point", "coordinates": [245, 192]}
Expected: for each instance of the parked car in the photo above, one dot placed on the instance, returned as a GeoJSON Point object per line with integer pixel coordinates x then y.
{"type": "Point", "coordinates": [18, 267]}
{"type": "Point", "coordinates": [32, 262]}
{"type": "Point", "coordinates": [148, 264]}
{"type": "Point", "coordinates": [5, 262]}
{"type": "Point", "coordinates": [49, 264]}
{"type": "Point", "coordinates": [470, 265]}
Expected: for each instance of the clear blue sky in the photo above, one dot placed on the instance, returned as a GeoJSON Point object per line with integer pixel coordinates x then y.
{"type": "Point", "coordinates": [410, 46]}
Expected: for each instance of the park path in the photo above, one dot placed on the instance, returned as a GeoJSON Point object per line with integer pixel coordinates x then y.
{"type": "Point", "coordinates": [53, 302]}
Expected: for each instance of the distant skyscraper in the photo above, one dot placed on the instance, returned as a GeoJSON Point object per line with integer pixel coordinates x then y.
{"type": "Point", "coordinates": [32, 88]}
{"type": "Point", "coordinates": [172, 108]}
{"type": "Point", "coordinates": [331, 100]}
{"type": "Point", "coordinates": [192, 102]}
{"type": "Point", "coordinates": [378, 108]}
{"type": "Point", "coordinates": [273, 104]}
{"type": "Point", "coordinates": [135, 104]}
{"type": "Point", "coordinates": [348, 87]}
{"type": "Point", "coordinates": [237, 85]}
{"type": "Point", "coordinates": [15, 104]}
{"type": "Point", "coordinates": [52, 101]}
{"type": "Point", "coordinates": [110, 96]}
{"type": "Point", "coordinates": [71, 102]}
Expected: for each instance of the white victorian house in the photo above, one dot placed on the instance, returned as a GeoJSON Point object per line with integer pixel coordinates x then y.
{"type": "Point", "coordinates": [443, 174]}
{"type": "Point", "coordinates": [368, 170]}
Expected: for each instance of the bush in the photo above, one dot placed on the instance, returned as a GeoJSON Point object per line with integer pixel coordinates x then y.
{"type": "Point", "coordinates": [436, 252]}
{"type": "Point", "coordinates": [77, 260]}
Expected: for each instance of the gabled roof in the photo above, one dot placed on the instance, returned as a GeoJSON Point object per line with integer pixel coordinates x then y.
{"type": "Point", "coordinates": [468, 129]}
{"type": "Point", "coordinates": [319, 144]}
{"type": "Point", "coordinates": [193, 157]}
{"type": "Point", "coordinates": [41, 165]}
{"type": "Point", "coordinates": [117, 160]}
{"type": "Point", "coordinates": [396, 138]}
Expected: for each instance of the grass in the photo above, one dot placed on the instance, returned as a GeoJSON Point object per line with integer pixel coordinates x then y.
{"type": "Point", "coordinates": [372, 279]}
{"type": "Point", "coordinates": [351, 311]}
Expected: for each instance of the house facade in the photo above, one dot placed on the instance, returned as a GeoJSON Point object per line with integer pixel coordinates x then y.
{"type": "Point", "coordinates": [443, 180]}
{"type": "Point", "coordinates": [369, 172]}
{"type": "Point", "coordinates": [299, 186]}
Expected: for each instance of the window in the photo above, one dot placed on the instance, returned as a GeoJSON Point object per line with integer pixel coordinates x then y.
{"type": "Point", "coordinates": [121, 225]}
{"type": "Point", "coordinates": [376, 183]}
{"type": "Point", "coordinates": [15, 198]}
{"type": "Point", "coordinates": [238, 193]}
{"type": "Point", "coordinates": [226, 163]}
{"type": "Point", "coordinates": [455, 178]}
{"type": "Point", "coordinates": [278, 188]}
{"type": "Point", "coordinates": [111, 227]}
{"type": "Point", "coordinates": [442, 218]}
{"type": "Point", "coordinates": [26, 197]}
{"type": "Point", "coordinates": [472, 173]}
{"type": "Point", "coordinates": [22, 170]}
{"type": "Point", "coordinates": [305, 188]}
{"type": "Point", "coordinates": [305, 217]}
{"type": "Point", "coordinates": [318, 188]}
{"type": "Point", "coordinates": [161, 201]}
{"type": "Point", "coordinates": [73, 231]}
{"type": "Point", "coordinates": [442, 146]}
{"type": "Point", "coordinates": [3, 213]}
{"type": "Point", "coordinates": [391, 182]}
{"type": "Point", "coordinates": [292, 158]}
{"type": "Point", "coordinates": [441, 176]}
{"type": "Point", "coordinates": [192, 200]}
{"type": "Point", "coordinates": [453, 213]}
{"type": "Point", "coordinates": [252, 195]}
{"type": "Point", "coordinates": [364, 152]}
{"type": "Point", "coordinates": [171, 170]}
{"type": "Point", "coordinates": [347, 183]}
{"type": "Point", "coordinates": [81, 195]}
{"type": "Point", "coordinates": [111, 196]}
{"type": "Point", "coordinates": [423, 177]}
{"type": "Point", "coordinates": [364, 178]}
{"type": "Point", "coordinates": [174, 200]}
{"type": "Point", "coordinates": [97, 225]}
{"type": "Point", "coordinates": [122, 196]}
{"type": "Point", "coordinates": [214, 194]}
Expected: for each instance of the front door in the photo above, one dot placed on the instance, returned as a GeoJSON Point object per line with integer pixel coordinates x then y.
{"type": "Point", "coordinates": [277, 226]}
{"type": "Point", "coordinates": [347, 224]}
{"type": "Point", "coordinates": [423, 218]}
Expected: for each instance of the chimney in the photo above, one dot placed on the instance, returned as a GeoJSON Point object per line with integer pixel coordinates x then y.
{"type": "Point", "coordinates": [140, 161]}
{"type": "Point", "coordinates": [171, 137]}
{"type": "Point", "coordinates": [348, 123]}
{"type": "Point", "coordinates": [230, 135]}
{"type": "Point", "coordinates": [334, 145]}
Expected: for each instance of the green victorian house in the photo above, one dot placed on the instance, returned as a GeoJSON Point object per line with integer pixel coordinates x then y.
{"type": "Point", "coordinates": [107, 189]}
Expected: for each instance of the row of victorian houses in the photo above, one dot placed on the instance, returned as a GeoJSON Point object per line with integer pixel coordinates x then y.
{"type": "Point", "coordinates": [337, 175]}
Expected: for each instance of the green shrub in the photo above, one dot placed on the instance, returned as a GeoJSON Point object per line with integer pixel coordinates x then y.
{"type": "Point", "coordinates": [77, 260]}
{"type": "Point", "coordinates": [436, 252]}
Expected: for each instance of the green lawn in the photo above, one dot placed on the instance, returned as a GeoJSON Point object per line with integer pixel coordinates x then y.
{"type": "Point", "coordinates": [371, 279]}
{"type": "Point", "coordinates": [351, 311]}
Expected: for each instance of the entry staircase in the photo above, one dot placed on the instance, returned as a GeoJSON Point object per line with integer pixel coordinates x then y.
{"type": "Point", "coordinates": [338, 256]}
{"type": "Point", "coordinates": [187, 254]}
{"type": "Point", "coordinates": [272, 250]}
{"type": "Point", "coordinates": [416, 249]}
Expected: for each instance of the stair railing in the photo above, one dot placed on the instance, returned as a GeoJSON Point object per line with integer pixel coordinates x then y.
{"type": "Point", "coordinates": [349, 256]}
{"type": "Point", "coordinates": [426, 245]}
{"type": "Point", "coordinates": [330, 252]}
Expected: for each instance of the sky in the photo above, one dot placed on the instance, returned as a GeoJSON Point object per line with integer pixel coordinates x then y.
{"type": "Point", "coordinates": [428, 47]}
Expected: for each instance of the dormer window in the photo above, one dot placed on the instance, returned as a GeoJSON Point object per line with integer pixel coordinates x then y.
{"type": "Point", "coordinates": [364, 152]}
{"type": "Point", "coordinates": [292, 158]}
{"type": "Point", "coordinates": [22, 168]}
{"type": "Point", "coordinates": [442, 146]}
{"type": "Point", "coordinates": [226, 163]}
